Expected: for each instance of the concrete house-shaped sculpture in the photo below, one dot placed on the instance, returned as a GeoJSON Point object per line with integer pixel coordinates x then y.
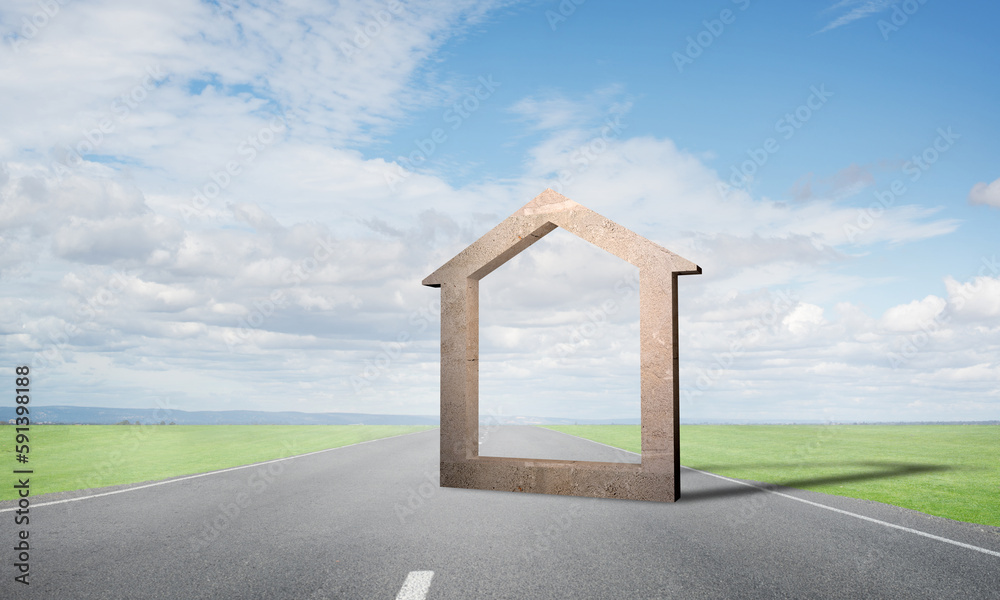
{"type": "Point", "coordinates": [657, 477]}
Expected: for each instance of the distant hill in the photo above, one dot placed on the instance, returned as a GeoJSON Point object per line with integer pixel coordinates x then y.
{"type": "Point", "coordinates": [93, 415]}
{"type": "Point", "coordinates": [815, 422]}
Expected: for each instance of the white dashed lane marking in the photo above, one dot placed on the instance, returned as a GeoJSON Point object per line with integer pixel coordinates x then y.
{"type": "Point", "coordinates": [416, 586]}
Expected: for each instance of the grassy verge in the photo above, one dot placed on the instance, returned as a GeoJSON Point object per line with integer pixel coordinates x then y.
{"type": "Point", "coordinates": [73, 457]}
{"type": "Point", "coordinates": [951, 471]}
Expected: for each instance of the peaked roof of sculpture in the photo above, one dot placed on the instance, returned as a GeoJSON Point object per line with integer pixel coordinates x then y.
{"type": "Point", "coordinates": [543, 214]}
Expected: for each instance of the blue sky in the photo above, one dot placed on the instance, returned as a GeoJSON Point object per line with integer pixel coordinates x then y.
{"type": "Point", "coordinates": [211, 205]}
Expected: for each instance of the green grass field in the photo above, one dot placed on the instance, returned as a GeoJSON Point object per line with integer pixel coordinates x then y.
{"type": "Point", "coordinates": [950, 471]}
{"type": "Point", "coordinates": [73, 457]}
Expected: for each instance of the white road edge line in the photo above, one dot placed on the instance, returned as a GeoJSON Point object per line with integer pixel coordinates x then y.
{"type": "Point", "coordinates": [416, 586]}
{"type": "Point", "coordinates": [848, 513]}
{"type": "Point", "coordinates": [841, 511]}
{"type": "Point", "coordinates": [186, 477]}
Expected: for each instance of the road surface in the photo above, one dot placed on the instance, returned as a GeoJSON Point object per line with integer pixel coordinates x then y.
{"type": "Point", "coordinates": [369, 521]}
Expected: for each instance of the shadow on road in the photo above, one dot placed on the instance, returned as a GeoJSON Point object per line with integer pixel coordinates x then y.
{"type": "Point", "coordinates": [879, 470]}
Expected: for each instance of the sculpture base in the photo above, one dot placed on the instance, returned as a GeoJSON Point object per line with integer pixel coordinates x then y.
{"type": "Point", "coordinates": [565, 477]}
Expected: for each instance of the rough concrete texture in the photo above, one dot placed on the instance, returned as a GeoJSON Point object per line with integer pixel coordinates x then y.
{"type": "Point", "coordinates": [658, 475]}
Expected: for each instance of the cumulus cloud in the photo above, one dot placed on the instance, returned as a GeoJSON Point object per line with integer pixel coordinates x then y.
{"type": "Point", "coordinates": [803, 318]}
{"type": "Point", "coordinates": [988, 194]}
{"type": "Point", "coordinates": [114, 239]}
{"type": "Point", "coordinates": [976, 299]}
{"type": "Point", "coordinates": [913, 316]}
{"type": "Point", "coordinates": [222, 241]}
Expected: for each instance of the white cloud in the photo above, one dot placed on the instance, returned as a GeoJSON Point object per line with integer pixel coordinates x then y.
{"type": "Point", "coordinates": [804, 318]}
{"type": "Point", "coordinates": [223, 271]}
{"type": "Point", "coordinates": [980, 373]}
{"type": "Point", "coordinates": [221, 73]}
{"type": "Point", "coordinates": [977, 299]}
{"type": "Point", "coordinates": [117, 238]}
{"type": "Point", "coordinates": [913, 316]}
{"type": "Point", "coordinates": [301, 273]}
{"type": "Point", "coordinates": [550, 113]}
{"type": "Point", "coordinates": [859, 9]}
{"type": "Point", "coordinates": [988, 194]}
{"type": "Point", "coordinates": [555, 111]}
{"type": "Point", "coordinates": [204, 294]}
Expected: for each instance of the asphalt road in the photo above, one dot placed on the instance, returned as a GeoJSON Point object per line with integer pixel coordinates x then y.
{"type": "Point", "coordinates": [355, 522]}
